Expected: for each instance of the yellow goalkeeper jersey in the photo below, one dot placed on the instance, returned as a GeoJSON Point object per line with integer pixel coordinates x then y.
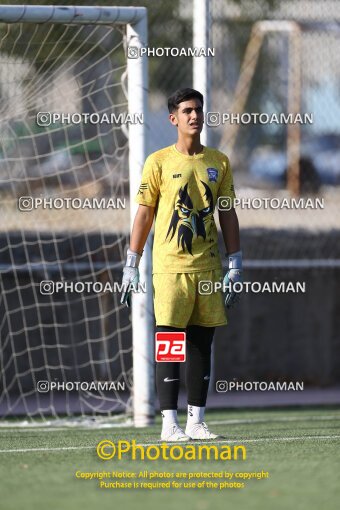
{"type": "Point", "coordinates": [184, 190]}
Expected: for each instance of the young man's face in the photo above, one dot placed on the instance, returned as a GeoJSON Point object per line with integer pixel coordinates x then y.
{"type": "Point", "coordinates": [188, 117]}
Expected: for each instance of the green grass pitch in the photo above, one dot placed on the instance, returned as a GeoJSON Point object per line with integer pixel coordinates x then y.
{"type": "Point", "coordinates": [299, 447]}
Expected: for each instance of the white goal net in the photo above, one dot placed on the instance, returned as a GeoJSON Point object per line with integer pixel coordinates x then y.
{"type": "Point", "coordinates": [66, 118]}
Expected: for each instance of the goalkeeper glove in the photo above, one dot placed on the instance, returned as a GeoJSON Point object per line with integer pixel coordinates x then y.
{"type": "Point", "coordinates": [130, 276]}
{"type": "Point", "coordinates": [234, 275]}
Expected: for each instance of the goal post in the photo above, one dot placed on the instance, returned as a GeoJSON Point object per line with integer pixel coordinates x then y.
{"type": "Point", "coordinates": [142, 324]}
{"type": "Point", "coordinates": [132, 22]}
{"type": "Point", "coordinates": [202, 65]}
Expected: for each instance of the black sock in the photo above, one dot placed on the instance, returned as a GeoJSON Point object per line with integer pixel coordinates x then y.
{"type": "Point", "coordinates": [198, 363]}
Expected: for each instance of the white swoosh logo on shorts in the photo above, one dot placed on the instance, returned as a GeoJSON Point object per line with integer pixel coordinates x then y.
{"type": "Point", "coordinates": [169, 380]}
{"type": "Point", "coordinates": [206, 378]}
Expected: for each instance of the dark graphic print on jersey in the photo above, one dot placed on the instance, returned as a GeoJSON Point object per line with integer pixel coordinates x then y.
{"type": "Point", "coordinates": [189, 221]}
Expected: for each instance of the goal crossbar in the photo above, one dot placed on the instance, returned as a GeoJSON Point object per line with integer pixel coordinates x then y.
{"type": "Point", "coordinates": [71, 14]}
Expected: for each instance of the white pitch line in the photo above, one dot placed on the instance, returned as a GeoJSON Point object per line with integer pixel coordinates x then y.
{"type": "Point", "coordinates": [42, 429]}
{"type": "Point", "coordinates": [192, 443]}
{"type": "Point", "coordinates": [273, 420]}
{"type": "Point", "coordinates": [59, 448]}
{"type": "Point", "coordinates": [63, 428]}
{"type": "Point", "coordinates": [257, 440]}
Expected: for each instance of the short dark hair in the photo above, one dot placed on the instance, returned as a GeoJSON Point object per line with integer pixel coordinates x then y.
{"type": "Point", "coordinates": [183, 95]}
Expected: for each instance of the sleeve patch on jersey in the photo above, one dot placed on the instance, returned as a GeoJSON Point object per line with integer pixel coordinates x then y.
{"type": "Point", "coordinates": [142, 187]}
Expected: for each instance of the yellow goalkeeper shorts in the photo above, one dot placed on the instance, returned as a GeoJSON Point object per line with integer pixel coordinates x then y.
{"type": "Point", "coordinates": [184, 299]}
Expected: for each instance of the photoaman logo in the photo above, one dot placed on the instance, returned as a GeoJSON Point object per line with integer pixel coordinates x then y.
{"type": "Point", "coordinates": [107, 450]}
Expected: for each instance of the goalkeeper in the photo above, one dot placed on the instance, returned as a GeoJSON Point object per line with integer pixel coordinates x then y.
{"type": "Point", "coordinates": [179, 188]}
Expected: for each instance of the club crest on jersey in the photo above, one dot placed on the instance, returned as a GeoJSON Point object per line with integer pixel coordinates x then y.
{"type": "Point", "coordinates": [212, 174]}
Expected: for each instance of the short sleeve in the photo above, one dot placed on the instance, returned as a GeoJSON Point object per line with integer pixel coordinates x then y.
{"type": "Point", "coordinates": [148, 191]}
{"type": "Point", "coordinates": [226, 188]}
